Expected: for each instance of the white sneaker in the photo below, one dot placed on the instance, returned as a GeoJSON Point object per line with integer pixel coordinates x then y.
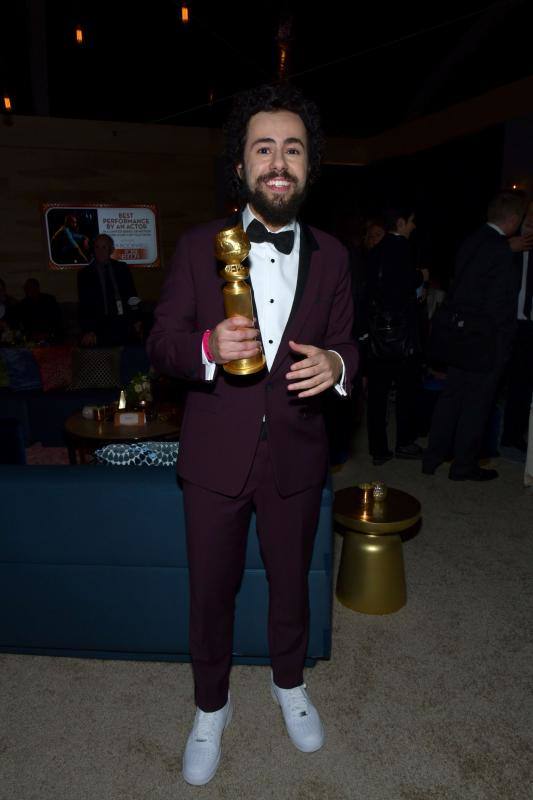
{"type": "Point", "coordinates": [301, 717]}
{"type": "Point", "coordinates": [202, 752]}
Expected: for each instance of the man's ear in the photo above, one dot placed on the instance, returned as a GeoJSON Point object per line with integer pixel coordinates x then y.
{"type": "Point", "coordinates": [239, 170]}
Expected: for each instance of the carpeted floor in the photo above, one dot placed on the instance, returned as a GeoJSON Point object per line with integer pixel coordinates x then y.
{"type": "Point", "coordinates": [431, 703]}
{"type": "Point", "coordinates": [38, 454]}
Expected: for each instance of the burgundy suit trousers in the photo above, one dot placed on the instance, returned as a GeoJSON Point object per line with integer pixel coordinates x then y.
{"type": "Point", "coordinates": [217, 529]}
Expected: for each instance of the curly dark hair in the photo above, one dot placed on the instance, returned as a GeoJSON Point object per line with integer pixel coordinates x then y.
{"type": "Point", "coordinates": [276, 97]}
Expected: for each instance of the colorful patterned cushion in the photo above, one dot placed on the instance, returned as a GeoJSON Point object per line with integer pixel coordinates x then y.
{"type": "Point", "coordinates": [21, 367]}
{"type": "Point", "coordinates": [95, 368]}
{"type": "Point", "coordinates": [55, 366]}
{"type": "Point", "coordinates": [145, 454]}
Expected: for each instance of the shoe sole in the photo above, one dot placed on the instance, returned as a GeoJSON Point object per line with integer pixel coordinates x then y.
{"type": "Point", "coordinates": [212, 774]}
{"type": "Point", "coordinates": [298, 747]}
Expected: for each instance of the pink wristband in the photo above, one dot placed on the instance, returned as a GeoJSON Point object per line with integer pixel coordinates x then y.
{"type": "Point", "coordinates": [205, 346]}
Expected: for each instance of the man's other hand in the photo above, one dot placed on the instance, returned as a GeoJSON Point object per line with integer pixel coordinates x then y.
{"type": "Point", "coordinates": [318, 371]}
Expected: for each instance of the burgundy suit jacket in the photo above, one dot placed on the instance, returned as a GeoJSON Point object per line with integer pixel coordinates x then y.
{"type": "Point", "coordinates": [222, 419]}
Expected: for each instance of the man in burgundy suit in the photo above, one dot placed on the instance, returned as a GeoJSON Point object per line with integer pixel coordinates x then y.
{"type": "Point", "coordinates": [256, 441]}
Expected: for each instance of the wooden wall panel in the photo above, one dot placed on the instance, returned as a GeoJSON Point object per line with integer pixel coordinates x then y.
{"type": "Point", "coordinates": [45, 159]}
{"type": "Point", "coordinates": [51, 160]}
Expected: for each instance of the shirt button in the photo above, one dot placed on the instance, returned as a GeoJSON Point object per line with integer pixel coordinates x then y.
{"type": "Point", "coordinates": [273, 260]}
{"type": "Point", "coordinates": [272, 300]}
{"type": "Point", "coordinates": [271, 341]}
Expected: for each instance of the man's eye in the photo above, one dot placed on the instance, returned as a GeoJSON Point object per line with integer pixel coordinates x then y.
{"type": "Point", "coordinates": [293, 151]}
{"type": "Point", "coordinates": [263, 150]}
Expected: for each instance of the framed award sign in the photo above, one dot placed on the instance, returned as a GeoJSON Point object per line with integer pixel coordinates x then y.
{"type": "Point", "coordinates": [71, 230]}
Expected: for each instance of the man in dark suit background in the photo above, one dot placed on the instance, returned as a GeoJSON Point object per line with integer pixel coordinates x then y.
{"type": "Point", "coordinates": [484, 282]}
{"type": "Point", "coordinates": [258, 440]}
{"type": "Point", "coordinates": [520, 372]}
{"type": "Point", "coordinates": [391, 288]}
{"type": "Point", "coordinates": [107, 298]}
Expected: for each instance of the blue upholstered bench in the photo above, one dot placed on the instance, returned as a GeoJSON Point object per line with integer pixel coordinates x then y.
{"type": "Point", "coordinates": [93, 564]}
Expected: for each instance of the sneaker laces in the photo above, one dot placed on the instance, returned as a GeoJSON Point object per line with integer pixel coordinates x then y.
{"type": "Point", "coordinates": [205, 726]}
{"type": "Point", "coordinates": [297, 701]}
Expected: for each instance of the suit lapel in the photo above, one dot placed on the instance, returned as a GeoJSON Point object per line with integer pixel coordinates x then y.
{"type": "Point", "coordinates": [304, 296]}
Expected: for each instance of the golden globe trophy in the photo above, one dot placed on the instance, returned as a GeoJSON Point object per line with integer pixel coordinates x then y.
{"type": "Point", "coordinates": [232, 246]}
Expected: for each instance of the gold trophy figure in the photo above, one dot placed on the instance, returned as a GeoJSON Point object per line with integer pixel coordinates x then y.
{"type": "Point", "coordinates": [232, 246]}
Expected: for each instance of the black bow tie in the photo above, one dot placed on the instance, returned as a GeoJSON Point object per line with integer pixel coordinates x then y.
{"type": "Point", "coordinates": [283, 241]}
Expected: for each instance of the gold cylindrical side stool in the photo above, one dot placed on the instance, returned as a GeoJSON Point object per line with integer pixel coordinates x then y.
{"type": "Point", "coordinates": [371, 576]}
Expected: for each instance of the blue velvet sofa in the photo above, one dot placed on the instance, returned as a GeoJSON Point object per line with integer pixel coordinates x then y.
{"type": "Point", "coordinates": [93, 564]}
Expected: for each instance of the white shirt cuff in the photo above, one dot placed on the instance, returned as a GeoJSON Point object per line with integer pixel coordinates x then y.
{"type": "Point", "coordinates": [340, 387]}
{"type": "Point", "coordinates": [209, 367]}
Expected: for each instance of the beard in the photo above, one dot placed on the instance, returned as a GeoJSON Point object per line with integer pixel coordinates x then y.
{"type": "Point", "coordinates": [275, 211]}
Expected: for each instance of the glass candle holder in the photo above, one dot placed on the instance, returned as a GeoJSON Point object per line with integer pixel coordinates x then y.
{"type": "Point", "coordinates": [379, 491]}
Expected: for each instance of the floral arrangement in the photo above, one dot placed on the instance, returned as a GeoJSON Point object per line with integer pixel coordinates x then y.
{"type": "Point", "coordinates": [12, 337]}
{"type": "Point", "coordinates": [138, 389]}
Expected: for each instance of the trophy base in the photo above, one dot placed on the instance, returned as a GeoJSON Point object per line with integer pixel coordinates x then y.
{"type": "Point", "coordinates": [245, 366]}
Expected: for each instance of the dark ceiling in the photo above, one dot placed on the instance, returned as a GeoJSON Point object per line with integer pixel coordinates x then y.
{"type": "Point", "coordinates": [368, 66]}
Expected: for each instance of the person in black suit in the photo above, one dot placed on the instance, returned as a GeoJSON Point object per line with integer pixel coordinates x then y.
{"type": "Point", "coordinates": [484, 282]}
{"type": "Point", "coordinates": [520, 372]}
{"type": "Point", "coordinates": [391, 293]}
{"type": "Point", "coordinates": [107, 298]}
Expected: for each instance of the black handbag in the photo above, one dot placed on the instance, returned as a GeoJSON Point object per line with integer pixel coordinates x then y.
{"type": "Point", "coordinates": [389, 333]}
{"type": "Point", "coordinates": [389, 330]}
{"type": "Point", "coordinates": [463, 337]}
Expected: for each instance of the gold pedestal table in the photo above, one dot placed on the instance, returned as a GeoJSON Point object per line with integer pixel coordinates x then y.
{"type": "Point", "coordinates": [371, 575]}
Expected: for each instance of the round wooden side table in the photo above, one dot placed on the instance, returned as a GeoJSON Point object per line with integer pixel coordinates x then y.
{"type": "Point", "coordinates": [371, 576]}
{"type": "Point", "coordinates": [84, 436]}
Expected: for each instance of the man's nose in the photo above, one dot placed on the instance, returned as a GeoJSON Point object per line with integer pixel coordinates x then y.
{"type": "Point", "coordinates": [278, 160]}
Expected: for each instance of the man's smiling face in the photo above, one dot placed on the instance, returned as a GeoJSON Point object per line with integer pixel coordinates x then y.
{"type": "Point", "coordinates": [275, 166]}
